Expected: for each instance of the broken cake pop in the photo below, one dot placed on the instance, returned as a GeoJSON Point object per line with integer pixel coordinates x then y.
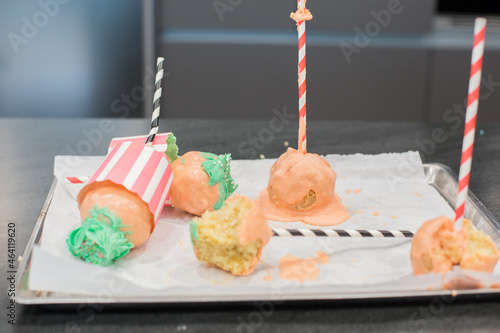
{"type": "Point", "coordinates": [437, 247]}
{"type": "Point", "coordinates": [231, 238]}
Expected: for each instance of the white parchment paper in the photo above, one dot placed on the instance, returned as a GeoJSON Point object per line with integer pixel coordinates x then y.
{"type": "Point", "coordinates": [386, 191]}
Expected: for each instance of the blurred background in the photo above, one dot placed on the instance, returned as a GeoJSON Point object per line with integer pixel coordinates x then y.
{"type": "Point", "coordinates": [390, 60]}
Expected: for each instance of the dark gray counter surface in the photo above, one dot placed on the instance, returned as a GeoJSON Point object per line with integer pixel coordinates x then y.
{"type": "Point", "coordinates": [28, 147]}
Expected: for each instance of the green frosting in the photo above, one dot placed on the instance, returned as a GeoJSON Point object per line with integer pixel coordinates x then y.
{"type": "Point", "coordinates": [172, 148]}
{"type": "Point", "coordinates": [218, 169]}
{"type": "Point", "coordinates": [193, 228]}
{"type": "Point", "coordinates": [99, 241]}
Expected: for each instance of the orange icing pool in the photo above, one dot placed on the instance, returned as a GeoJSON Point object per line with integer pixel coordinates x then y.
{"type": "Point", "coordinates": [301, 270]}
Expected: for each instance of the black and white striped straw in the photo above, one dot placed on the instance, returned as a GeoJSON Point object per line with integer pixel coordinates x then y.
{"type": "Point", "coordinates": [342, 233]}
{"type": "Point", "coordinates": [155, 118]}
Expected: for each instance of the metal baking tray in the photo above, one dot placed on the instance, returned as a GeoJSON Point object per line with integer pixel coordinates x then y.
{"type": "Point", "coordinates": [438, 176]}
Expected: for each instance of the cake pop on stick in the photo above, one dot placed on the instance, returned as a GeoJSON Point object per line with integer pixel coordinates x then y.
{"type": "Point", "coordinates": [301, 185]}
{"type": "Point", "coordinates": [122, 201]}
{"type": "Point", "coordinates": [440, 243]}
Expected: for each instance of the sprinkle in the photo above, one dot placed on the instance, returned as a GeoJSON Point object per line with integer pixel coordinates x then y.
{"type": "Point", "coordinates": [348, 191]}
{"type": "Point", "coordinates": [394, 217]}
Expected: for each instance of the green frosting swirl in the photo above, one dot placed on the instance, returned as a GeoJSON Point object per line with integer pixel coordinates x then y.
{"type": "Point", "coordinates": [172, 148]}
{"type": "Point", "coordinates": [99, 241]}
{"type": "Point", "coordinates": [193, 228]}
{"type": "Point", "coordinates": [218, 169]}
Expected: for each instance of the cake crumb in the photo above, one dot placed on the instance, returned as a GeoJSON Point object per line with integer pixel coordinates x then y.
{"type": "Point", "coordinates": [375, 213]}
{"type": "Point", "coordinates": [348, 191]}
{"type": "Point", "coordinates": [360, 212]}
{"type": "Point", "coordinates": [269, 276]}
{"type": "Point", "coordinates": [322, 258]}
{"type": "Point", "coordinates": [180, 242]}
{"type": "Point", "coordinates": [394, 217]}
{"type": "Point", "coordinates": [385, 224]}
{"type": "Point", "coordinates": [495, 285]}
{"type": "Point", "coordinates": [418, 195]}
{"type": "Point", "coordinates": [165, 280]}
{"type": "Point", "coordinates": [262, 156]}
{"type": "Point", "coordinates": [286, 144]}
{"type": "Point", "coordinates": [358, 190]}
{"type": "Point", "coordinates": [354, 260]}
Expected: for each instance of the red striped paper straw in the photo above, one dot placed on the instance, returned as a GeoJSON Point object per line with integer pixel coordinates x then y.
{"type": "Point", "coordinates": [301, 28]}
{"type": "Point", "coordinates": [470, 120]}
{"type": "Point", "coordinates": [77, 180]}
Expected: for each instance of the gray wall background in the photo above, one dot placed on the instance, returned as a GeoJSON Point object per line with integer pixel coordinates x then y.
{"type": "Point", "coordinates": [74, 59]}
{"type": "Point", "coordinates": [238, 59]}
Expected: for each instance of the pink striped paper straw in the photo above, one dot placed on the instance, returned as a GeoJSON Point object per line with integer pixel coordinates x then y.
{"type": "Point", "coordinates": [470, 120]}
{"type": "Point", "coordinates": [300, 16]}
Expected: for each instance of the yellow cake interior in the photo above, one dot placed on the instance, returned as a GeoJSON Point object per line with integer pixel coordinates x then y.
{"type": "Point", "coordinates": [451, 247]}
{"type": "Point", "coordinates": [307, 201]}
{"type": "Point", "coordinates": [215, 238]}
{"type": "Point", "coordinates": [478, 243]}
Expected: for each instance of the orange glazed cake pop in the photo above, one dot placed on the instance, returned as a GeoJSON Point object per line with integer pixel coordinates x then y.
{"type": "Point", "coordinates": [231, 238]}
{"type": "Point", "coordinates": [121, 203]}
{"type": "Point", "coordinates": [202, 181]}
{"type": "Point", "coordinates": [301, 187]}
{"type": "Point", "coordinates": [436, 248]}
